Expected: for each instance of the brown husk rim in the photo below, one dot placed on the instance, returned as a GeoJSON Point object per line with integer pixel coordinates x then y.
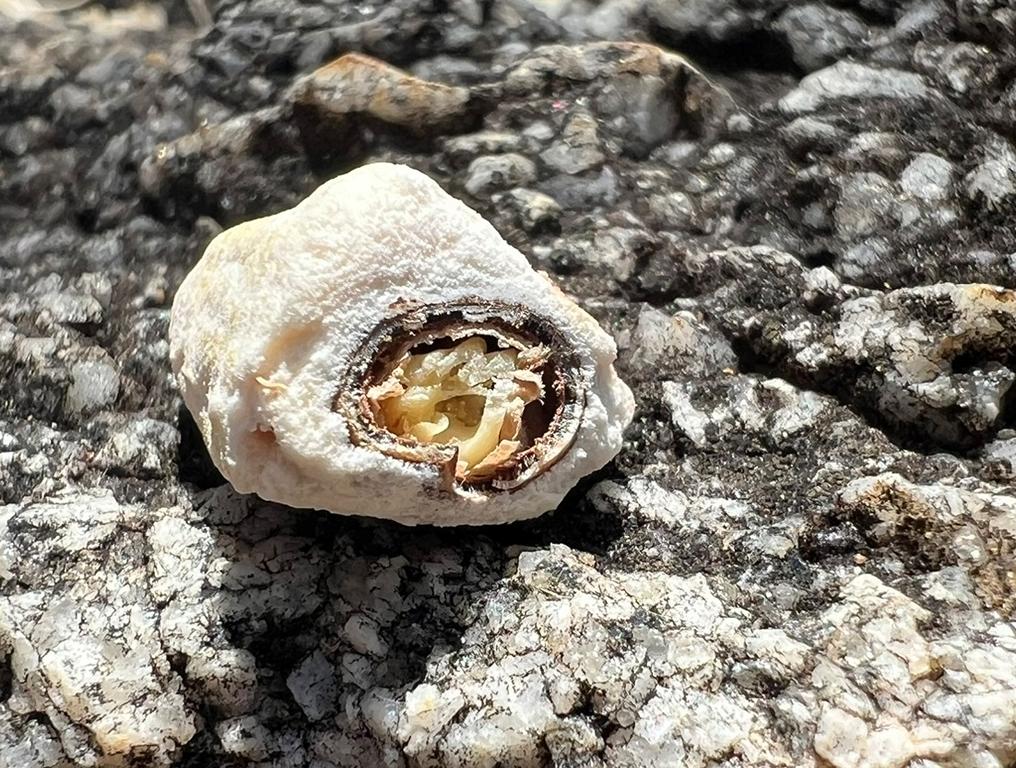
{"type": "Point", "coordinates": [412, 324]}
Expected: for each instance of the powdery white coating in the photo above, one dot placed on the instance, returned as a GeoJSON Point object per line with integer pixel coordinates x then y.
{"type": "Point", "coordinates": [263, 329]}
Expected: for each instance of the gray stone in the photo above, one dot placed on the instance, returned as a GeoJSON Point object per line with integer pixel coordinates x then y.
{"type": "Point", "coordinates": [962, 66]}
{"type": "Point", "coordinates": [819, 34]}
{"type": "Point", "coordinates": [316, 47]}
{"type": "Point", "coordinates": [578, 149]}
{"type": "Point", "coordinates": [862, 259]}
{"type": "Point", "coordinates": [71, 308]}
{"type": "Point", "coordinates": [920, 16]}
{"type": "Point", "coordinates": [472, 145]}
{"type": "Point", "coordinates": [993, 180]}
{"type": "Point", "coordinates": [94, 385]}
{"type": "Point", "coordinates": [678, 343]}
{"type": "Point", "coordinates": [76, 106]}
{"type": "Point", "coordinates": [808, 133]}
{"type": "Point", "coordinates": [494, 172]}
{"type": "Point", "coordinates": [537, 212]}
{"type": "Point", "coordinates": [720, 21]}
{"type": "Point", "coordinates": [718, 156]}
{"type": "Point", "coordinates": [314, 686]}
{"type": "Point", "coordinates": [641, 110]}
{"type": "Point", "coordinates": [928, 178]}
{"type": "Point", "coordinates": [244, 737]}
{"type": "Point", "coordinates": [582, 193]}
{"type": "Point", "coordinates": [850, 80]}
{"type": "Point", "coordinates": [107, 648]}
{"type": "Point", "coordinates": [673, 211]}
{"type": "Point", "coordinates": [875, 146]}
{"type": "Point", "coordinates": [678, 153]}
{"type": "Point", "coordinates": [142, 447]}
{"type": "Point", "coordinates": [866, 205]}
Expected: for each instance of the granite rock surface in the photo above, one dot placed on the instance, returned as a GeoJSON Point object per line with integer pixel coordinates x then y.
{"type": "Point", "coordinates": [797, 219]}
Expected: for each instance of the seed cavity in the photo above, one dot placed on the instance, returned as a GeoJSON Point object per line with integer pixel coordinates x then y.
{"type": "Point", "coordinates": [472, 395]}
{"type": "Point", "coordinates": [487, 393]}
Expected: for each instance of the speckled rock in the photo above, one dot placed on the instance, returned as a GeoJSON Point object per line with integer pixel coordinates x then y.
{"type": "Point", "coordinates": [803, 244]}
{"type": "Point", "coordinates": [819, 34]}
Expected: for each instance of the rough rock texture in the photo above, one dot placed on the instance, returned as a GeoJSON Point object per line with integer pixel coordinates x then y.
{"type": "Point", "coordinates": [804, 556]}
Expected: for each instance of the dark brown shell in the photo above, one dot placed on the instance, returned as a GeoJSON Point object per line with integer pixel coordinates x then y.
{"type": "Point", "coordinates": [409, 325]}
